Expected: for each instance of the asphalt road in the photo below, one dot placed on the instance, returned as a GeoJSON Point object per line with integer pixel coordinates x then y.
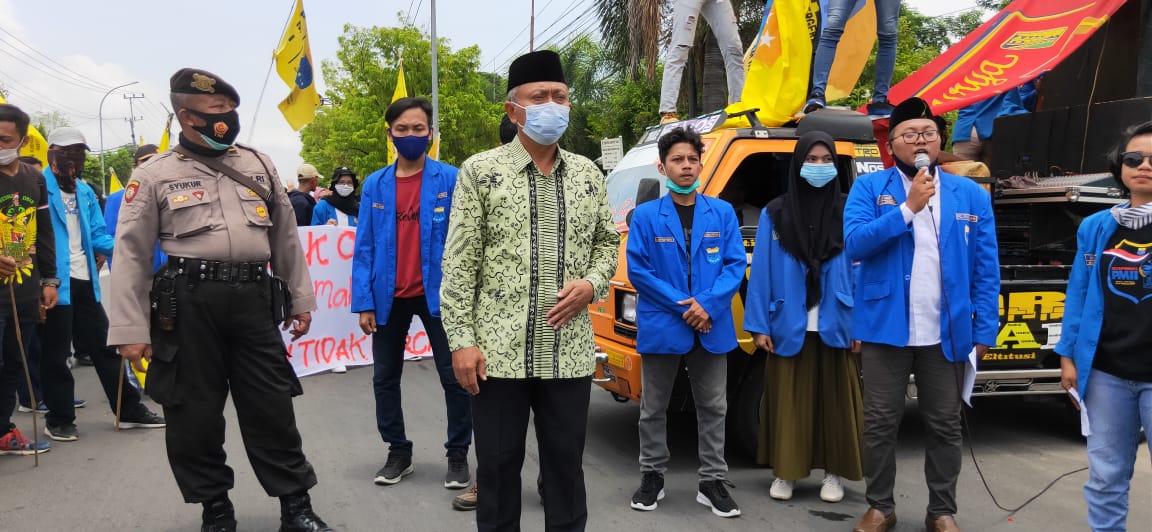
{"type": "Point", "coordinates": [111, 481]}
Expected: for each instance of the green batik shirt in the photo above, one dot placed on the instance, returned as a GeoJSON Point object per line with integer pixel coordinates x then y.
{"type": "Point", "coordinates": [515, 236]}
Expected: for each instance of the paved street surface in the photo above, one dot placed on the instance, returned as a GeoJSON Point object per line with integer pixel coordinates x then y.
{"type": "Point", "coordinates": [110, 481]}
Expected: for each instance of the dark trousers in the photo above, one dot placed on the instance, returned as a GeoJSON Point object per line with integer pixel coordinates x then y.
{"type": "Point", "coordinates": [560, 408]}
{"type": "Point", "coordinates": [388, 366]}
{"type": "Point", "coordinates": [11, 364]}
{"type": "Point", "coordinates": [32, 351]}
{"type": "Point", "coordinates": [81, 323]}
{"type": "Point", "coordinates": [225, 340]}
{"type": "Point", "coordinates": [886, 370]}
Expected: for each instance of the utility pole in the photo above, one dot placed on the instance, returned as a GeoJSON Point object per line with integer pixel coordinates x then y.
{"type": "Point", "coordinates": [532, 29]}
{"type": "Point", "coordinates": [132, 118]}
{"type": "Point", "coordinates": [435, 77]}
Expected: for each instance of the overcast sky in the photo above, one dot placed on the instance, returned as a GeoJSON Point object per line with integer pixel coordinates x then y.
{"type": "Point", "coordinates": [64, 55]}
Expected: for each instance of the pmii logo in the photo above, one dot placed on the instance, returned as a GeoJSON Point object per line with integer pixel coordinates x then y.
{"type": "Point", "coordinates": [304, 73]}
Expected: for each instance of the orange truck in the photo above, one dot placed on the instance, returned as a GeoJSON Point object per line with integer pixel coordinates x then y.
{"type": "Point", "coordinates": [746, 167]}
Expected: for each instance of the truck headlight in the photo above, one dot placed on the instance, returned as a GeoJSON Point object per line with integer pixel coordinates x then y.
{"type": "Point", "coordinates": [628, 308]}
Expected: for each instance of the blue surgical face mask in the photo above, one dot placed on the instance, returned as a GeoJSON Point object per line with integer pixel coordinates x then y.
{"type": "Point", "coordinates": [411, 147]}
{"type": "Point", "coordinates": [818, 174]}
{"type": "Point", "coordinates": [545, 123]}
{"type": "Point", "coordinates": [671, 185]}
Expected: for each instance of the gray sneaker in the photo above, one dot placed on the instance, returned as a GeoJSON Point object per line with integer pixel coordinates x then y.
{"type": "Point", "coordinates": [457, 477]}
{"type": "Point", "coordinates": [395, 469]}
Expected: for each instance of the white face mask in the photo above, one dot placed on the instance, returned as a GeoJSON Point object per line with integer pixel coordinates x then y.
{"type": "Point", "coordinates": [345, 190]}
{"type": "Point", "coordinates": [7, 156]}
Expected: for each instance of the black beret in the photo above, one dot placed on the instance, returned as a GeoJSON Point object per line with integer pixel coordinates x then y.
{"type": "Point", "coordinates": [910, 109]}
{"type": "Point", "coordinates": [196, 81]}
{"type": "Point", "coordinates": [145, 151]}
{"type": "Point", "coordinates": [541, 65]}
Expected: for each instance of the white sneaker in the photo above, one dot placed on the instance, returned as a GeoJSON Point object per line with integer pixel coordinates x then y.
{"type": "Point", "coordinates": [781, 489]}
{"type": "Point", "coordinates": [833, 490]}
{"type": "Point", "coordinates": [340, 369]}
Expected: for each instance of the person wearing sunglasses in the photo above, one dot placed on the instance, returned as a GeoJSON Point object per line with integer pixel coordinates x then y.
{"type": "Point", "coordinates": [1105, 357]}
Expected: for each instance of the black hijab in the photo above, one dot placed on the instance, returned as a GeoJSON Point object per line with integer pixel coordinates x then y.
{"type": "Point", "coordinates": [810, 220]}
{"type": "Point", "coordinates": [349, 204]}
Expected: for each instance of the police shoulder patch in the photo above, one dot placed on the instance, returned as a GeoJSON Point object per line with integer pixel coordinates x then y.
{"type": "Point", "coordinates": [131, 190]}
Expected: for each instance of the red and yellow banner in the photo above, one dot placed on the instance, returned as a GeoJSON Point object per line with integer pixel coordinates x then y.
{"type": "Point", "coordinates": [1026, 39]}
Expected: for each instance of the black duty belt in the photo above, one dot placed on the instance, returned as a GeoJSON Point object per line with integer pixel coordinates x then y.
{"type": "Point", "coordinates": [214, 270]}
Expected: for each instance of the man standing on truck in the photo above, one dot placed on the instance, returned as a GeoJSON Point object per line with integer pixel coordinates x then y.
{"type": "Point", "coordinates": [686, 259]}
{"type": "Point", "coordinates": [927, 296]}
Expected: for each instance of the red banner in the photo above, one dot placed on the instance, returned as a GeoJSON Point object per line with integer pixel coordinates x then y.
{"type": "Point", "coordinates": [1026, 39]}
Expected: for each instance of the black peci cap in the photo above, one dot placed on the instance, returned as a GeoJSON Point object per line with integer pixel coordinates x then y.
{"type": "Point", "coordinates": [910, 109]}
{"type": "Point", "coordinates": [541, 65]}
{"type": "Point", "coordinates": [196, 81]}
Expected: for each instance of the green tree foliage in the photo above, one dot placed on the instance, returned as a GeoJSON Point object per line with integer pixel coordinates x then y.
{"type": "Point", "coordinates": [351, 130]}
{"type": "Point", "coordinates": [120, 159]}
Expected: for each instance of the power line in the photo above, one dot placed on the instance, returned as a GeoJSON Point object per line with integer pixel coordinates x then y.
{"type": "Point", "coordinates": [46, 56]}
{"type": "Point", "coordinates": [49, 72]}
{"type": "Point", "coordinates": [44, 99]}
{"type": "Point", "coordinates": [571, 8]}
{"type": "Point", "coordinates": [521, 33]}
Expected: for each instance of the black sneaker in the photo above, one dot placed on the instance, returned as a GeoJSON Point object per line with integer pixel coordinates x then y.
{"type": "Point", "coordinates": [713, 495]}
{"type": "Point", "coordinates": [880, 109]}
{"type": "Point", "coordinates": [815, 103]}
{"type": "Point", "coordinates": [296, 515]}
{"type": "Point", "coordinates": [62, 432]}
{"type": "Point", "coordinates": [218, 515]}
{"type": "Point", "coordinates": [651, 490]}
{"type": "Point", "coordinates": [458, 476]}
{"type": "Point", "coordinates": [147, 420]}
{"type": "Point", "coordinates": [396, 468]}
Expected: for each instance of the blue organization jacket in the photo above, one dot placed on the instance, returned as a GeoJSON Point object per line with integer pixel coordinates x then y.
{"type": "Point", "coordinates": [1084, 300]}
{"type": "Point", "coordinates": [374, 259]}
{"type": "Point", "coordinates": [777, 294]}
{"type": "Point", "coordinates": [658, 266]}
{"type": "Point", "coordinates": [324, 211]}
{"type": "Point", "coordinates": [875, 234]}
{"type": "Point", "coordinates": [112, 206]}
{"type": "Point", "coordinates": [93, 234]}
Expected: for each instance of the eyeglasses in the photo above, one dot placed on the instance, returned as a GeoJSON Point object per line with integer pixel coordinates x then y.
{"type": "Point", "coordinates": [911, 136]}
{"type": "Point", "coordinates": [1133, 159]}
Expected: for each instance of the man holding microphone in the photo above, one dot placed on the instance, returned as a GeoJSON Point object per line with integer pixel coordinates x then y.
{"type": "Point", "coordinates": [926, 297]}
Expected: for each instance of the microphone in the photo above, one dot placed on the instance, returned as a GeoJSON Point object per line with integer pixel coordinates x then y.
{"type": "Point", "coordinates": [922, 161]}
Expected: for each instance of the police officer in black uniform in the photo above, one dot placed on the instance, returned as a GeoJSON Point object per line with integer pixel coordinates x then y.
{"type": "Point", "coordinates": [208, 320]}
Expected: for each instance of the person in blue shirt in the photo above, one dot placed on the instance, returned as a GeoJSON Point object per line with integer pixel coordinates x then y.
{"type": "Point", "coordinates": [396, 275]}
{"type": "Point", "coordinates": [799, 312]}
{"type": "Point", "coordinates": [927, 295]}
{"type": "Point", "coordinates": [342, 206]}
{"type": "Point", "coordinates": [686, 259]}
{"type": "Point", "coordinates": [974, 123]}
{"type": "Point", "coordinates": [1105, 345]}
{"type": "Point", "coordinates": [79, 318]}
{"type": "Point", "coordinates": [116, 199]}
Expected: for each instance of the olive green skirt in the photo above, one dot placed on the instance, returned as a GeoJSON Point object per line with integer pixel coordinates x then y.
{"type": "Point", "coordinates": [812, 415]}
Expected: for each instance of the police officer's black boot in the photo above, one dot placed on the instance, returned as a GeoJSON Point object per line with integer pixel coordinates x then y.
{"type": "Point", "coordinates": [296, 515]}
{"type": "Point", "coordinates": [218, 515]}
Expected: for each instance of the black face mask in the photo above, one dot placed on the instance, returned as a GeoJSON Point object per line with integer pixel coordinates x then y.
{"type": "Point", "coordinates": [67, 167]}
{"type": "Point", "coordinates": [221, 129]}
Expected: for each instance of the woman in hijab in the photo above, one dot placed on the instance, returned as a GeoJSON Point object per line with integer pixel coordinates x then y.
{"type": "Point", "coordinates": [343, 205]}
{"type": "Point", "coordinates": [799, 310]}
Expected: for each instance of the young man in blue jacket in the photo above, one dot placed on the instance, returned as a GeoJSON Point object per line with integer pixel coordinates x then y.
{"type": "Point", "coordinates": [926, 296]}
{"type": "Point", "coordinates": [686, 260]}
{"type": "Point", "coordinates": [79, 319]}
{"type": "Point", "coordinates": [396, 275]}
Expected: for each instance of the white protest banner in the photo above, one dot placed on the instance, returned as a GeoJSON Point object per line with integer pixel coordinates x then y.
{"type": "Point", "coordinates": [335, 338]}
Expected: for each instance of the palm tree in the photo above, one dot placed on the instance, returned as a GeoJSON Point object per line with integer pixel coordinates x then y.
{"type": "Point", "coordinates": [633, 31]}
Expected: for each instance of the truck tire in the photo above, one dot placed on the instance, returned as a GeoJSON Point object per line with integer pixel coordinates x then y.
{"type": "Point", "coordinates": [744, 408]}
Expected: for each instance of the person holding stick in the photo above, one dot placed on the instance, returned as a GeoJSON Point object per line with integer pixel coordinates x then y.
{"type": "Point", "coordinates": [27, 267]}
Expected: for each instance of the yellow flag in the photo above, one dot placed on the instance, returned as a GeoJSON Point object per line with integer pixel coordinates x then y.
{"type": "Point", "coordinates": [400, 92]}
{"type": "Point", "coordinates": [435, 151]}
{"type": "Point", "coordinates": [777, 78]}
{"type": "Point", "coordinates": [113, 181]}
{"type": "Point", "coordinates": [37, 147]}
{"type": "Point", "coordinates": [853, 51]}
{"type": "Point", "coordinates": [166, 137]}
{"type": "Point", "coordinates": [294, 65]}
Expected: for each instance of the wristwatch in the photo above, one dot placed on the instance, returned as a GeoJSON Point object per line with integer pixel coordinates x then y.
{"type": "Point", "coordinates": [50, 281]}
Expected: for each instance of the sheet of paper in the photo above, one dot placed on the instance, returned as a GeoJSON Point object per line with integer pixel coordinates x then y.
{"type": "Point", "coordinates": [969, 377]}
{"type": "Point", "coordinates": [1085, 428]}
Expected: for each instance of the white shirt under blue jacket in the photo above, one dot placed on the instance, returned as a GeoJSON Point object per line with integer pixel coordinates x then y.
{"type": "Point", "coordinates": [776, 304]}
{"type": "Point", "coordinates": [877, 234]}
{"type": "Point", "coordinates": [94, 235]}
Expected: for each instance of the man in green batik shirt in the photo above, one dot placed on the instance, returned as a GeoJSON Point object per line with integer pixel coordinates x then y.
{"type": "Point", "coordinates": [530, 244]}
